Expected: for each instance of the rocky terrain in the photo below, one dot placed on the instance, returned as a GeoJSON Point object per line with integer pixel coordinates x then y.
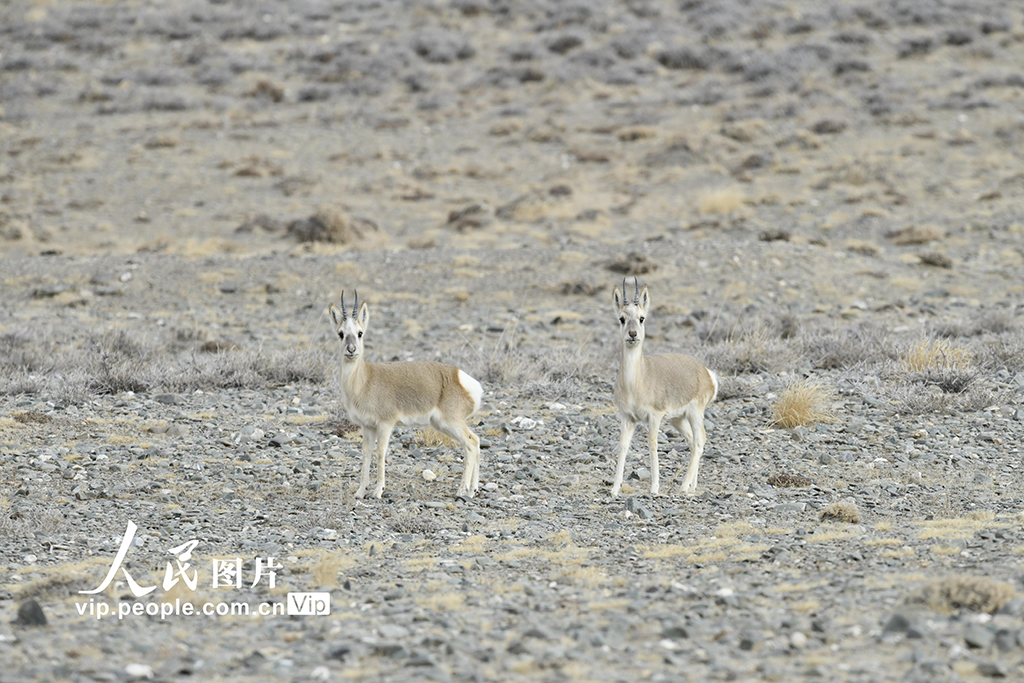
{"type": "Point", "coordinates": [818, 195]}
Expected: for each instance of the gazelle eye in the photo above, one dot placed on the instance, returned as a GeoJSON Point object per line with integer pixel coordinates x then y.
{"type": "Point", "coordinates": [360, 334]}
{"type": "Point", "coordinates": [641, 319]}
{"type": "Point", "coordinates": [341, 336]}
{"type": "Point", "coordinates": [622, 321]}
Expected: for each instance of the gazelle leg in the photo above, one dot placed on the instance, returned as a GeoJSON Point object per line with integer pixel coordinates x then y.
{"type": "Point", "coordinates": [682, 426]}
{"type": "Point", "coordinates": [652, 442]}
{"type": "Point", "coordinates": [474, 485]}
{"type": "Point", "coordinates": [383, 437]}
{"type": "Point", "coordinates": [696, 420]}
{"type": "Point", "coordinates": [471, 442]}
{"type": "Point", "coordinates": [369, 443]}
{"type": "Point", "coordinates": [625, 438]}
{"type": "Point", "coordinates": [471, 470]}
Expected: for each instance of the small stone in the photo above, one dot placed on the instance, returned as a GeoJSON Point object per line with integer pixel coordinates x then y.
{"type": "Point", "coordinates": [642, 473]}
{"type": "Point", "coordinates": [1006, 640]}
{"type": "Point", "coordinates": [993, 670]}
{"type": "Point", "coordinates": [675, 632]}
{"type": "Point", "coordinates": [177, 430]}
{"type": "Point", "coordinates": [428, 475]}
{"type": "Point", "coordinates": [791, 507]}
{"type": "Point", "coordinates": [169, 399]}
{"type": "Point", "coordinates": [825, 459]}
{"type": "Point", "coordinates": [30, 613]}
{"type": "Point", "coordinates": [978, 636]}
{"type": "Point", "coordinates": [393, 631]}
{"type": "Point", "coordinates": [798, 640]}
{"type": "Point", "coordinates": [340, 652]}
{"type": "Point", "coordinates": [491, 486]}
{"type": "Point", "coordinates": [910, 624]}
{"type": "Point", "coordinates": [538, 633]}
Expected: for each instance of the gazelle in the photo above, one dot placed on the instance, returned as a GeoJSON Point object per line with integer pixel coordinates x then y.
{"type": "Point", "coordinates": [379, 396]}
{"type": "Point", "coordinates": [654, 388]}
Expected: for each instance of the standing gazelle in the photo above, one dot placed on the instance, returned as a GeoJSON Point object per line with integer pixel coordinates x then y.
{"type": "Point", "coordinates": [653, 388]}
{"type": "Point", "coordinates": [379, 396]}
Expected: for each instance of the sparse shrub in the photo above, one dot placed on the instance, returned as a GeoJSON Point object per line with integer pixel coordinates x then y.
{"type": "Point", "coordinates": [342, 428]}
{"type": "Point", "coordinates": [331, 226]}
{"type": "Point", "coordinates": [989, 322]}
{"type": "Point", "coordinates": [432, 438]}
{"type": "Point", "coordinates": [785, 480]}
{"type": "Point", "coordinates": [32, 416]}
{"type": "Point", "coordinates": [415, 524]}
{"type": "Point", "coordinates": [722, 202]}
{"type": "Point", "coordinates": [803, 403]}
{"type": "Point", "coordinates": [1003, 353]}
{"type": "Point", "coordinates": [733, 387]}
{"type": "Point", "coordinates": [932, 355]}
{"type": "Point", "coordinates": [835, 349]}
{"type": "Point", "coordinates": [753, 351]}
{"type": "Point", "coordinates": [633, 263]}
{"type": "Point", "coordinates": [911, 400]}
{"type": "Point", "coordinates": [974, 593]}
{"type": "Point", "coordinates": [841, 511]}
{"type": "Point", "coordinates": [916, 234]}
{"type": "Point", "coordinates": [935, 259]}
{"type": "Point", "coordinates": [862, 247]}
{"type": "Point", "coordinates": [326, 569]}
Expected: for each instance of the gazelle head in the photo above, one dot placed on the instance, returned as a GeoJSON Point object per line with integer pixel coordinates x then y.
{"type": "Point", "coordinates": [631, 314]}
{"type": "Point", "coordinates": [350, 328]}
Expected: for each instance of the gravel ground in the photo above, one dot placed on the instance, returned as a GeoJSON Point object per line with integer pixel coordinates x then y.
{"type": "Point", "coordinates": [810, 193]}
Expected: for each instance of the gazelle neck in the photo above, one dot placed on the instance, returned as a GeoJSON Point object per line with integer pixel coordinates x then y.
{"type": "Point", "coordinates": [632, 363]}
{"type": "Point", "coordinates": [353, 374]}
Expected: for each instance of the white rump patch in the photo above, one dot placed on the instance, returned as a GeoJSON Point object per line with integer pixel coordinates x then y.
{"type": "Point", "coordinates": [714, 381]}
{"type": "Point", "coordinates": [472, 388]}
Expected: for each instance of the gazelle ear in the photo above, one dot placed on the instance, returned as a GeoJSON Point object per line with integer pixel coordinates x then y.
{"type": "Point", "coordinates": [617, 297]}
{"type": "Point", "coordinates": [645, 298]}
{"type": "Point", "coordinates": [335, 315]}
{"type": "Point", "coordinates": [364, 315]}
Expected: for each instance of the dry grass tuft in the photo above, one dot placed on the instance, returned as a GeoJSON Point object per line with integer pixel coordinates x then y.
{"type": "Point", "coordinates": [415, 524]}
{"type": "Point", "coordinates": [841, 511]}
{"type": "Point", "coordinates": [722, 202]}
{"type": "Point", "coordinates": [32, 416]}
{"type": "Point", "coordinates": [786, 480]}
{"type": "Point", "coordinates": [327, 568]}
{"type": "Point", "coordinates": [916, 234]}
{"type": "Point", "coordinates": [803, 403]}
{"type": "Point", "coordinates": [974, 593]}
{"type": "Point", "coordinates": [931, 355]}
{"type": "Point", "coordinates": [331, 226]}
{"type": "Point", "coordinates": [432, 438]}
{"type": "Point", "coordinates": [862, 247]}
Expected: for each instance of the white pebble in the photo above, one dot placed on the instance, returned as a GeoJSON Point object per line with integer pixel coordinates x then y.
{"type": "Point", "coordinates": [491, 486]}
{"type": "Point", "coordinates": [798, 640]}
{"type": "Point", "coordinates": [139, 671]}
{"type": "Point", "coordinates": [428, 475]}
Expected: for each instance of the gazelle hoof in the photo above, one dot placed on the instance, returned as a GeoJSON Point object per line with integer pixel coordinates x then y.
{"type": "Point", "coordinates": [360, 493]}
